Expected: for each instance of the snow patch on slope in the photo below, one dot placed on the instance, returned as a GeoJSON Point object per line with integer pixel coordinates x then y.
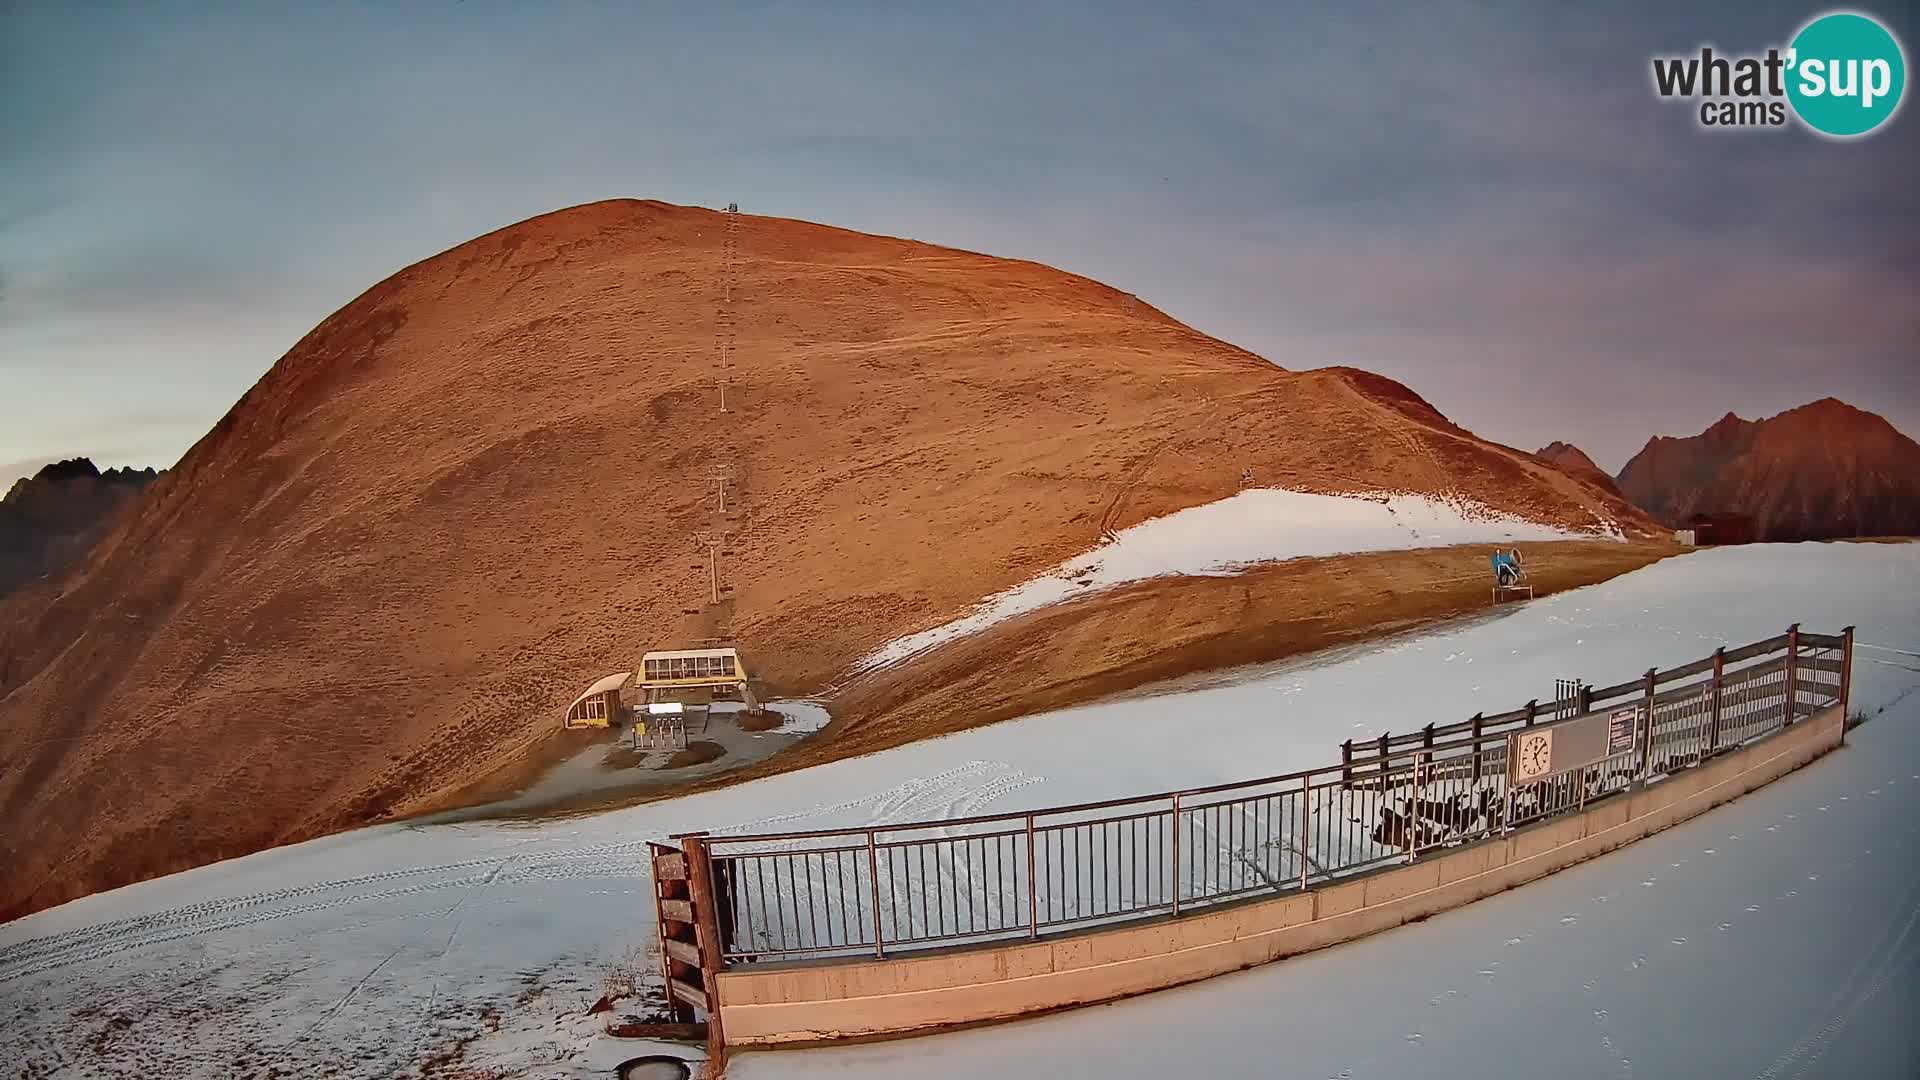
{"type": "Point", "coordinates": [1259, 525]}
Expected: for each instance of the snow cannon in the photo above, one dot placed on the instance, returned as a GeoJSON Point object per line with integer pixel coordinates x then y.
{"type": "Point", "coordinates": [1510, 577]}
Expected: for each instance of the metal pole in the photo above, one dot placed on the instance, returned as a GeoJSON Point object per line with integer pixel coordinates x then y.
{"type": "Point", "coordinates": [1646, 723]}
{"type": "Point", "coordinates": [1033, 892]}
{"type": "Point", "coordinates": [1713, 724]}
{"type": "Point", "coordinates": [1479, 757]}
{"type": "Point", "coordinates": [1306, 793]}
{"type": "Point", "coordinates": [1176, 854]}
{"type": "Point", "coordinates": [873, 883]}
{"type": "Point", "coordinates": [1846, 679]}
{"type": "Point", "coordinates": [1419, 795]}
{"type": "Point", "coordinates": [1506, 815]}
{"type": "Point", "coordinates": [1346, 763]}
{"type": "Point", "coordinates": [1793, 672]}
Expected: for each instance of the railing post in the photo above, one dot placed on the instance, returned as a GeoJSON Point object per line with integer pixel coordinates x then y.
{"type": "Point", "coordinates": [1306, 794]}
{"type": "Point", "coordinates": [1713, 721]}
{"type": "Point", "coordinates": [1846, 679]}
{"type": "Point", "coordinates": [1793, 673]}
{"type": "Point", "coordinates": [1419, 795]}
{"type": "Point", "coordinates": [873, 880]}
{"type": "Point", "coordinates": [1646, 724]}
{"type": "Point", "coordinates": [1533, 711]}
{"type": "Point", "coordinates": [1033, 889]}
{"type": "Point", "coordinates": [707, 931]}
{"type": "Point", "coordinates": [1346, 763]}
{"type": "Point", "coordinates": [1506, 795]}
{"type": "Point", "coordinates": [1176, 853]}
{"type": "Point", "coordinates": [1479, 753]}
{"type": "Point", "coordinates": [1380, 770]}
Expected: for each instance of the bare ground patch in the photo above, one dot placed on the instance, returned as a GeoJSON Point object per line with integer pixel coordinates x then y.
{"type": "Point", "coordinates": [698, 752]}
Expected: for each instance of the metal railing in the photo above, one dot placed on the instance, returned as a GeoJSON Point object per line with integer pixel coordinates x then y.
{"type": "Point", "coordinates": [874, 891]}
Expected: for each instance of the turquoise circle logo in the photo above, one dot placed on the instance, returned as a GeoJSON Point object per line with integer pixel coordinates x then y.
{"type": "Point", "coordinates": [1847, 74]}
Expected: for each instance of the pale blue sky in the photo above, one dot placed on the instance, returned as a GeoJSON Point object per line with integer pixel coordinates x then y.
{"type": "Point", "coordinates": [1481, 200]}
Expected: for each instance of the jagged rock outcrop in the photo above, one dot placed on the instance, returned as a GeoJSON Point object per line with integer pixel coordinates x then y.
{"type": "Point", "coordinates": [1571, 460]}
{"type": "Point", "coordinates": [1821, 471]}
{"type": "Point", "coordinates": [51, 518]}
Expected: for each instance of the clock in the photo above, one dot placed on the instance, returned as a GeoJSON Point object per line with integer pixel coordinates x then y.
{"type": "Point", "coordinates": [1533, 755]}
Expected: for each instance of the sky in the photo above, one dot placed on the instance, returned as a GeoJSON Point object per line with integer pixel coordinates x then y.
{"type": "Point", "coordinates": [1484, 201]}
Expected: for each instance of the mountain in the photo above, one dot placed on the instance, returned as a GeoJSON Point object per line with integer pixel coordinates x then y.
{"type": "Point", "coordinates": [1571, 460]}
{"type": "Point", "coordinates": [51, 517]}
{"type": "Point", "coordinates": [494, 476]}
{"type": "Point", "coordinates": [1820, 471]}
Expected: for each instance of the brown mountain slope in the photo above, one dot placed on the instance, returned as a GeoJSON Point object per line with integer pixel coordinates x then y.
{"type": "Point", "coordinates": [53, 516]}
{"type": "Point", "coordinates": [490, 478]}
{"type": "Point", "coordinates": [1573, 461]}
{"type": "Point", "coordinates": [1820, 471]}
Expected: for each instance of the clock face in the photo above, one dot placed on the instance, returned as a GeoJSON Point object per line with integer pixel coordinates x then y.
{"type": "Point", "coordinates": [1534, 755]}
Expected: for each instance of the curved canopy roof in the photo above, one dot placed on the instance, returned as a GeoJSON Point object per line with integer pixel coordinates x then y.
{"type": "Point", "coordinates": [601, 685]}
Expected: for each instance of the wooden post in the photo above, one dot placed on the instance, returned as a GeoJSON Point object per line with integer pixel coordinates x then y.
{"type": "Point", "coordinates": [1479, 754]}
{"type": "Point", "coordinates": [700, 880]}
{"type": "Point", "coordinates": [1380, 770]}
{"type": "Point", "coordinates": [1793, 673]}
{"type": "Point", "coordinates": [1346, 764]}
{"type": "Point", "coordinates": [1713, 722]}
{"type": "Point", "coordinates": [666, 887]}
{"type": "Point", "coordinates": [1426, 736]}
{"type": "Point", "coordinates": [1846, 680]}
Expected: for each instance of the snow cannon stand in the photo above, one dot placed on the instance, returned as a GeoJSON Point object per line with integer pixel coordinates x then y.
{"type": "Point", "coordinates": [1510, 577]}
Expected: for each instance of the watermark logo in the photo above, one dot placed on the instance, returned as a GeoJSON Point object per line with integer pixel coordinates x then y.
{"type": "Point", "coordinates": [1843, 75]}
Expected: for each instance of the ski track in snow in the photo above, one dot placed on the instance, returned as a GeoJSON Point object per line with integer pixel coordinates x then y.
{"type": "Point", "coordinates": [956, 793]}
{"type": "Point", "coordinates": [370, 950]}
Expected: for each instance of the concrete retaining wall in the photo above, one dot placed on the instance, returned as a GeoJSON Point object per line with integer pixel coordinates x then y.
{"type": "Point", "coordinates": [803, 1003]}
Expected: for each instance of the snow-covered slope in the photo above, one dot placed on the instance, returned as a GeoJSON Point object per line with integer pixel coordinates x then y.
{"type": "Point", "coordinates": [369, 951]}
{"type": "Point", "coordinates": [1259, 525]}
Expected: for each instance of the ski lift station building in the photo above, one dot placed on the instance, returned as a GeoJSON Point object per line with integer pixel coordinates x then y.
{"type": "Point", "coordinates": [678, 669]}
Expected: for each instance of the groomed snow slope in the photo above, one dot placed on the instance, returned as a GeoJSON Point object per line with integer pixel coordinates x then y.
{"type": "Point", "coordinates": [364, 953]}
{"type": "Point", "coordinates": [1259, 525]}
